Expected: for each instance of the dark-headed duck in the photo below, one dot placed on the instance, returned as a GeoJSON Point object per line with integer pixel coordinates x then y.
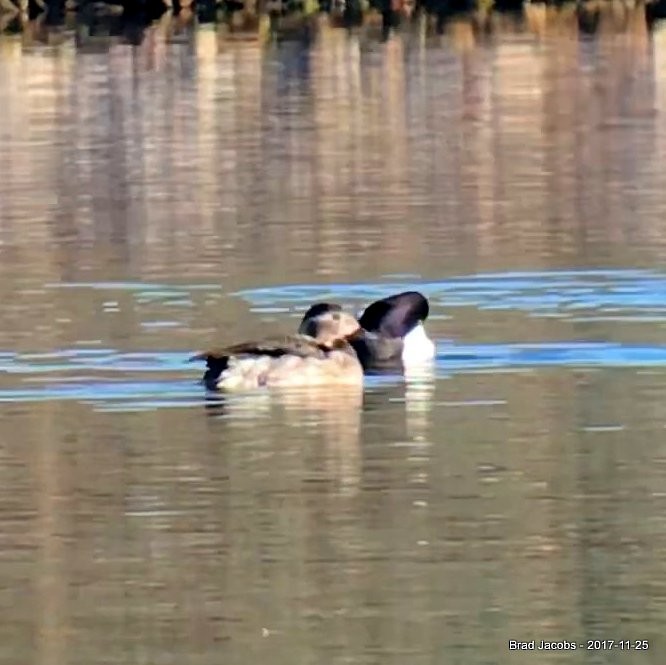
{"type": "Point", "coordinates": [391, 330]}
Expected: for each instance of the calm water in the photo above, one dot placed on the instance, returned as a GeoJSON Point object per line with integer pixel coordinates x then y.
{"type": "Point", "coordinates": [195, 189]}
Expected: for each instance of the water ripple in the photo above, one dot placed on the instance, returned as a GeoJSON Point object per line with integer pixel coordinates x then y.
{"type": "Point", "coordinates": [111, 379]}
{"type": "Point", "coordinates": [110, 393]}
{"type": "Point", "coordinates": [625, 295]}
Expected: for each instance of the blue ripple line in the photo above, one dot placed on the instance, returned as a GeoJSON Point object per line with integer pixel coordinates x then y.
{"type": "Point", "coordinates": [450, 359]}
{"type": "Point", "coordinates": [101, 392]}
{"type": "Point", "coordinates": [629, 290]}
{"type": "Point", "coordinates": [449, 356]}
{"type": "Point", "coordinates": [564, 355]}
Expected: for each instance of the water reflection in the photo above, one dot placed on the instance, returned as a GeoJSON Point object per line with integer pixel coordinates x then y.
{"type": "Point", "coordinates": [251, 120]}
{"type": "Point", "coordinates": [189, 184]}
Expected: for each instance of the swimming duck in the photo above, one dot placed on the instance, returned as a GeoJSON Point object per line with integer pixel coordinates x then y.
{"type": "Point", "coordinates": [319, 355]}
{"type": "Point", "coordinates": [391, 330]}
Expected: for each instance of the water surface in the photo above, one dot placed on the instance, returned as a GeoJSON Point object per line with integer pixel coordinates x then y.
{"type": "Point", "coordinates": [196, 189]}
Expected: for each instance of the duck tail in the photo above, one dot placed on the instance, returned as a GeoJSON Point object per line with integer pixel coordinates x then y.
{"type": "Point", "coordinates": [216, 363]}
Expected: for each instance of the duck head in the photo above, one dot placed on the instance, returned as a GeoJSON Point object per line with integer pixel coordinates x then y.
{"type": "Point", "coordinates": [329, 325]}
{"type": "Point", "coordinates": [397, 315]}
{"type": "Point", "coordinates": [314, 311]}
{"type": "Point", "coordinates": [401, 317]}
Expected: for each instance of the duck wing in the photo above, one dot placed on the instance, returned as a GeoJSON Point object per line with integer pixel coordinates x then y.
{"type": "Point", "coordinates": [274, 347]}
{"type": "Point", "coordinates": [217, 360]}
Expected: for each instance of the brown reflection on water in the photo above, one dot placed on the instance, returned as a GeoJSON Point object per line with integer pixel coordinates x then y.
{"type": "Point", "coordinates": [435, 521]}
{"type": "Point", "coordinates": [309, 532]}
{"type": "Point", "coordinates": [558, 139]}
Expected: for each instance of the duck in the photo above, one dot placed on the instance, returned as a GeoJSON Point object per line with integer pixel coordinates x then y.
{"type": "Point", "coordinates": [390, 333]}
{"type": "Point", "coordinates": [318, 355]}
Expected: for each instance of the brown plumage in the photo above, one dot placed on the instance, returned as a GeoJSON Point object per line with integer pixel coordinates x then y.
{"type": "Point", "coordinates": [321, 357]}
